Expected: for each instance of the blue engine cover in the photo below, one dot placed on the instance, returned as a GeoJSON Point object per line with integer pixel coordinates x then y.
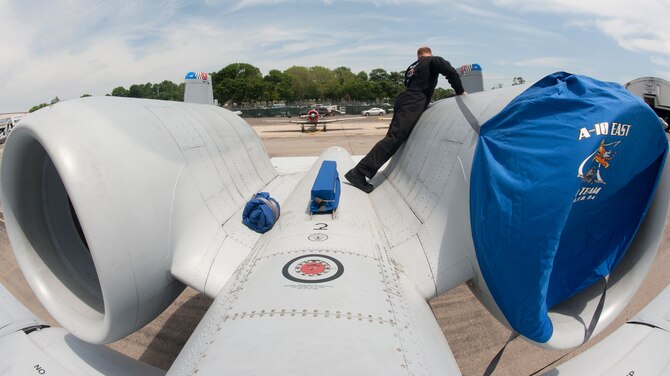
{"type": "Point", "coordinates": [561, 180]}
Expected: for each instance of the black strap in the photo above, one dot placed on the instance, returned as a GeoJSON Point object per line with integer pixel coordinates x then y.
{"type": "Point", "coordinates": [598, 311]}
{"type": "Point", "coordinates": [552, 363]}
{"type": "Point", "coordinates": [494, 362]}
{"type": "Point", "coordinates": [589, 330]}
{"type": "Point", "coordinates": [474, 123]}
{"type": "Point", "coordinates": [33, 328]}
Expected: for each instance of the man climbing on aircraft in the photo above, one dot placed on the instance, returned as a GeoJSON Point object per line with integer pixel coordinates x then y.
{"type": "Point", "coordinates": [420, 81]}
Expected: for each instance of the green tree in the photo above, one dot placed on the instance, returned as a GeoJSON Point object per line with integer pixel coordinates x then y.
{"type": "Point", "coordinates": [168, 91]}
{"type": "Point", "coordinates": [42, 105]}
{"type": "Point", "coordinates": [381, 83]}
{"type": "Point", "coordinates": [359, 89]}
{"type": "Point", "coordinates": [37, 107]}
{"type": "Point", "coordinates": [397, 84]}
{"type": "Point", "coordinates": [301, 83]}
{"type": "Point", "coordinates": [120, 92]}
{"type": "Point", "coordinates": [441, 93]}
{"type": "Point", "coordinates": [85, 95]}
{"type": "Point", "coordinates": [364, 87]}
{"type": "Point", "coordinates": [343, 74]}
{"type": "Point", "coordinates": [238, 82]}
{"type": "Point", "coordinates": [142, 91]}
{"type": "Point", "coordinates": [277, 86]}
{"type": "Point", "coordinates": [324, 83]}
{"type": "Point", "coordinates": [518, 81]}
{"type": "Point", "coordinates": [344, 77]}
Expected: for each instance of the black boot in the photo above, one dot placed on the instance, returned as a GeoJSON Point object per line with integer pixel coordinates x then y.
{"type": "Point", "coordinates": [359, 181]}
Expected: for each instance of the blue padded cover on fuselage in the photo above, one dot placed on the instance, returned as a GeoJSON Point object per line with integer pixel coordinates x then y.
{"type": "Point", "coordinates": [325, 195]}
{"type": "Point", "coordinates": [261, 212]}
{"type": "Point", "coordinates": [561, 180]}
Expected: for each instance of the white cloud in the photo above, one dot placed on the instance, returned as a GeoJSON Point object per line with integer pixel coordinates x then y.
{"type": "Point", "coordinates": [241, 4]}
{"type": "Point", "coordinates": [552, 62]}
{"type": "Point", "coordinates": [71, 47]}
{"type": "Point", "coordinates": [636, 25]}
{"type": "Point", "coordinates": [663, 64]}
{"type": "Point", "coordinates": [125, 51]}
{"type": "Point", "coordinates": [506, 22]}
{"type": "Point", "coordinates": [662, 61]}
{"type": "Point", "coordinates": [32, 75]}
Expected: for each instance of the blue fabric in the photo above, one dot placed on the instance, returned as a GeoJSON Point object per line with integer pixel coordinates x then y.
{"type": "Point", "coordinates": [325, 195]}
{"type": "Point", "coordinates": [561, 180]}
{"type": "Point", "coordinates": [258, 213]}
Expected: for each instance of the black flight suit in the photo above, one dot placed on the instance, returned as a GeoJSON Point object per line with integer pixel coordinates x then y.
{"type": "Point", "coordinates": [420, 81]}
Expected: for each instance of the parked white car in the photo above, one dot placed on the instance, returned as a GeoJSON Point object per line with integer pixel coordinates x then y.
{"type": "Point", "coordinates": [374, 111]}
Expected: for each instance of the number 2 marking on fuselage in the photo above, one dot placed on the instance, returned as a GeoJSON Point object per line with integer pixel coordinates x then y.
{"type": "Point", "coordinates": [321, 226]}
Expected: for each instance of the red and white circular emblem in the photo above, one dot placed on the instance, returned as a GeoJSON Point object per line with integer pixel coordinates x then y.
{"type": "Point", "coordinates": [313, 269]}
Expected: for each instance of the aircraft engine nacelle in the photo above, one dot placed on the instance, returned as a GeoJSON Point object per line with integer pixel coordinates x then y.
{"type": "Point", "coordinates": [565, 232]}
{"type": "Point", "coordinates": [536, 198]}
{"type": "Point", "coordinates": [96, 193]}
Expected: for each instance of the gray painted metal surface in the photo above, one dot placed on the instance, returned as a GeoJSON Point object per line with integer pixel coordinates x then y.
{"type": "Point", "coordinates": [639, 347]}
{"type": "Point", "coordinates": [28, 347]}
{"type": "Point", "coordinates": [107, 237]}
{"type": "Point", "coordinates": [14, 316]}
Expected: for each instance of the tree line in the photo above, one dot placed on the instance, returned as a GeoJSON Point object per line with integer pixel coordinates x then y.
{"type": "Point", "coordinates": [166, 90]}
{"type": "Point", "coordinates": [243, 85]}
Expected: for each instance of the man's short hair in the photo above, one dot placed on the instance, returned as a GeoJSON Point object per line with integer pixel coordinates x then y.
{"type": "Point", "coordinates": [424, 50]}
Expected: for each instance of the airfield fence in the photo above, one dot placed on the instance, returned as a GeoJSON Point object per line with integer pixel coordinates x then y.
{"type": "Point", "coordinates": [295, 110]}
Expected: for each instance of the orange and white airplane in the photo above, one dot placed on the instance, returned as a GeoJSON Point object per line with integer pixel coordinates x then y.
{"type": "Point", "coordinates": [313, 119]}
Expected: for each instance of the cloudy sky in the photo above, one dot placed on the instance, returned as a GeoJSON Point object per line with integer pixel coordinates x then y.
{"type": "Point", "coordinates": [66, 48]}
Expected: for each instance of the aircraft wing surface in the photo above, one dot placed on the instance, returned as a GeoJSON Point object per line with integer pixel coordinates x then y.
{"type": "Point", "coordinates": [29, 347]}
{"type": "Point", "coordinates": [639, 347]}
{"type": "Point", "coordinates": [319, 293]}
{"type": "Point", "coordinates": [14, 316]}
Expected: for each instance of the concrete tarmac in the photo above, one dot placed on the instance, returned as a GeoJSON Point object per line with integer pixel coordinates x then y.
{"type": "Point", "coordinates": [473, 334]}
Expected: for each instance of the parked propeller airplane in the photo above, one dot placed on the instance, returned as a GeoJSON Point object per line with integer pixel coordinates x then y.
{"type": "Point", "coordinates": [485, 190]}
{"type": "Point", "coordinates": [313, 119]}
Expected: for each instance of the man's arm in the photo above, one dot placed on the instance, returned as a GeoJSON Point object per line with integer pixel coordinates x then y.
{"type": "Point", "coordinates": [444, 68]}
